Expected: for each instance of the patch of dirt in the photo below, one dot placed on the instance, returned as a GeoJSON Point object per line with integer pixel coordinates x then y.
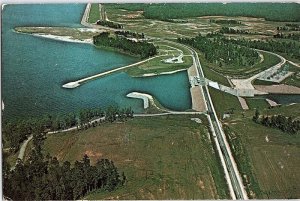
{"type": "Point", "coordinates": [201, 184]}
{"type": "Point", "coordinates": [92, 154]}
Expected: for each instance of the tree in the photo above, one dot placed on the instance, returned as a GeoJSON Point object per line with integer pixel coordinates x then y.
{"type": "Point", "coordinates": [256, 116]}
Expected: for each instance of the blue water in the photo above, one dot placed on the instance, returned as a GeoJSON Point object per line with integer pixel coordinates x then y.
{"type": "Point", "coordinates": [34, 69]}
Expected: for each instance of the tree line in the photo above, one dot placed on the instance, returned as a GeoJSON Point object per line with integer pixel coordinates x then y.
{"type": "Point", "coordinates": [225, 21]}
{"type": "Point", "coordinates": [285, 124]}
{"type": "Point", "coordinates": [292, 36]}
{"type": "Point", "coordinates": [290, 48]}
{"type": "Point", "coordinates": [140, 48]}
{"type": "Point", "coordinates": [44, 178]}
{"type": "Point", "coordinates": [286, 12]}
{"type": "Point", "coordinates": [221, 51]}
{"type": "Point", "coordinates": [109, 24]}
{"type": "Point", "coordinates": [229, 30]}
{"type": "Point", "coordinates": [15, 132]}
{"type": "Point", "coordinates": [130, 34]}
{"type": "Point", "coordinates": [289, 27]}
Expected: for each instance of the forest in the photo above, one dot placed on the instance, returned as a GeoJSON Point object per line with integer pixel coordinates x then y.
{"type": "Point", "coordinates": [44, 178]}
{"type": "Point", "coordinates": [140, 48]}
{"type": "Point", "coordinates": [270, 11]}
{"type": "Point", "coordinates": [15, 132]}
{"type": "Point", "coordinates": [225, 21]}
{"type": "Point", "coordinates": [130, 34]}
{"type": "Point", "coordinates": [288, 47]}
{"type": "Point", "coordinates": [292, 36]}
{"type": "Point", "coordinates": [285, 124]}
{"type": "Point", "coordinates": [228, 30]}
{"type": "Point", "coordinates": [220, 51]}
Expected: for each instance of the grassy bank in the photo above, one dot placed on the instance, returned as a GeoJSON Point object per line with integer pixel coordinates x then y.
{"type": "Point", "coordinates": [168, 157]}
{"type": "Point", "coordinates": [94, 14]}
{"type": "Point", "coordinates": [224, 102]}
{"type": "Point", "coordinates": [257, 103]}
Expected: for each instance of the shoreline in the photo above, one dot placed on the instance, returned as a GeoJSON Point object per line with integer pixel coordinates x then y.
{"type": "Point", "coordinates": [163, 73]}
{"type": "Point", "coordinates": [63, 38]}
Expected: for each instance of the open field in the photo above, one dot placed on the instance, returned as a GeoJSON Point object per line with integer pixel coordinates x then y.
{"type": "Point", "coordinates": [133, 19]}
{"type": "Point", "coordinates": [94, 14]}
{"type": "Point", "coordinates": [273, 155]}
{"type": "Point", "coordinates": [168, 157]}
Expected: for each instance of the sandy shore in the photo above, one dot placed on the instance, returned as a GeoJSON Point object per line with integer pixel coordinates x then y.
{"type": "Point", "coordinates": [64, 38]}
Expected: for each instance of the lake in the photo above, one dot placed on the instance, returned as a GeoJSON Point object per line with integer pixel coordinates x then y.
{"type": "Point", "coordinates": [34, 69]}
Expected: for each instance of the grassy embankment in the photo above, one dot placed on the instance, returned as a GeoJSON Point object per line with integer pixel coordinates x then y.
{"type": "Point", "coordinates": [168, 157]}
{"type": "Point", "coordinates": [267, 156]}
{"type": "Point", "coordinates": [257, 103]}
{"type": "Point", "coordinates": [94, 14]}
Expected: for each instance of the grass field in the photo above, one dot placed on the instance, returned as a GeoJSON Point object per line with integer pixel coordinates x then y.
{"type": "Point", "coordinates": [94, 13]}
{"type": "Point", "coordinates": [168, 157]}
{"type": "Point", "coordinates": [273, 155]}
{"type": "Point", "coordinates": [223, 102]}
{"type": "Point", "coordinates": [257, 103]}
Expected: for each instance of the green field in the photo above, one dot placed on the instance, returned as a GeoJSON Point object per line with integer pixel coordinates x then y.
{"type": "Point", "coordinates": [273, 155]}
{"type": "Point", "coordinates": [257, 103]}
{"type": "Point", "coordinates": [168, 157]}
{"type": "Point", "coordinates": [94, 14]}
{"type": "Point", "coordinates": [224, 102]}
